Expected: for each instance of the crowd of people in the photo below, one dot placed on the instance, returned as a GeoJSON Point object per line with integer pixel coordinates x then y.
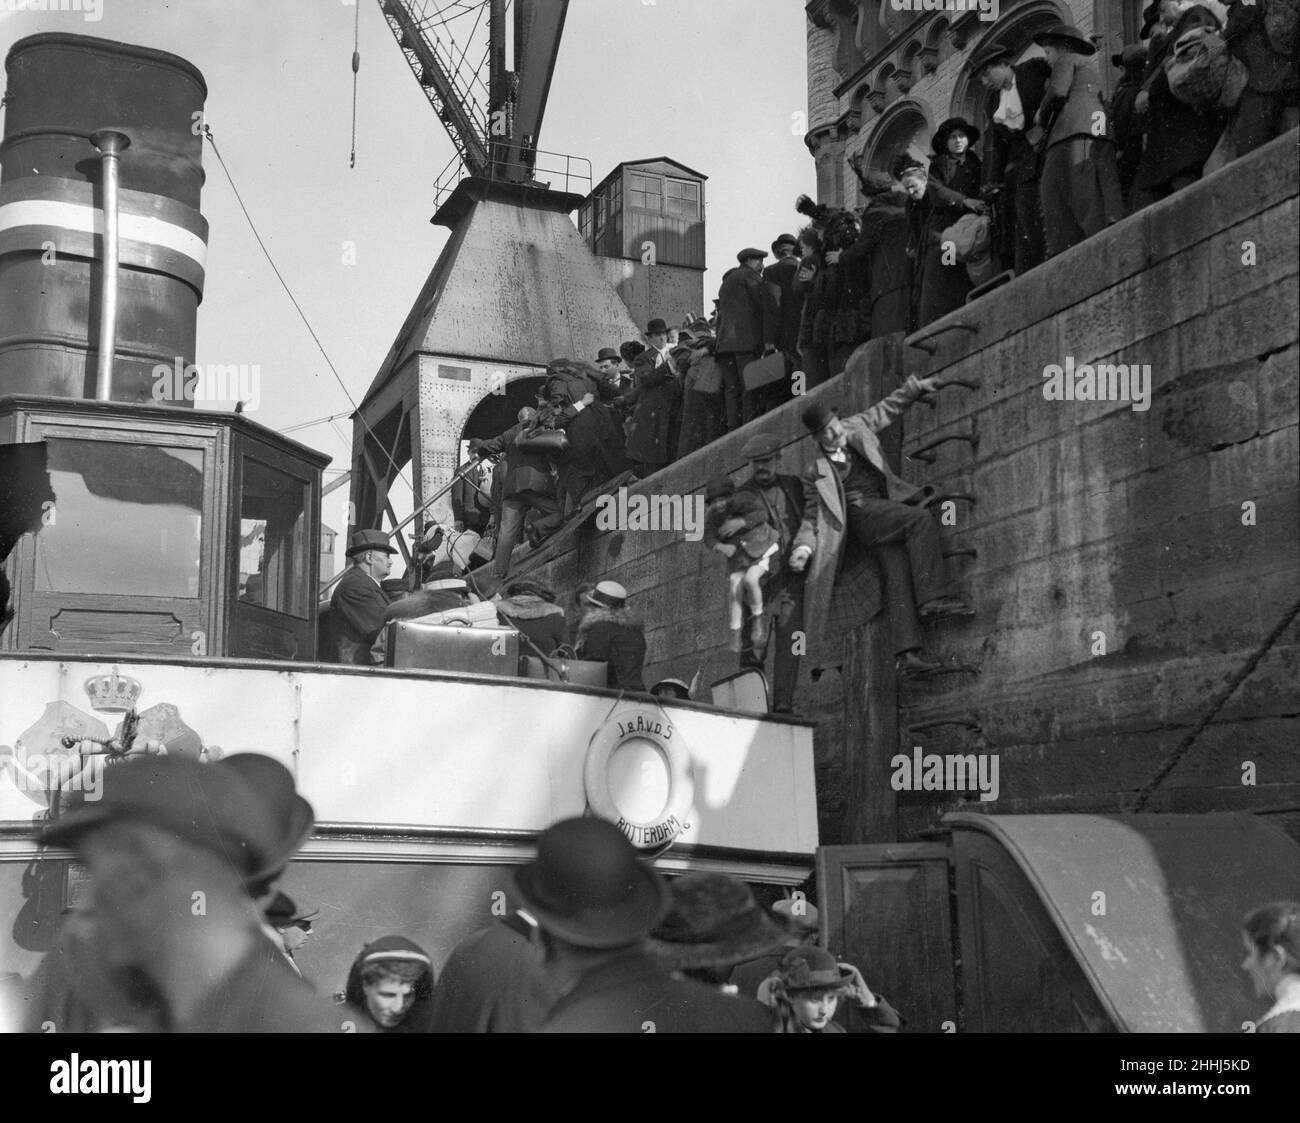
{"type": "Point", "coordinates": [1054, 163]}
{"type": "Point", "coordinates": [594, 940]}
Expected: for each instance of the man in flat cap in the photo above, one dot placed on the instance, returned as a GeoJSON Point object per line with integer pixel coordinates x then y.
{"type": "Point", "coordinates": [358, 604]}
{"type": "Point", "coordinates": [596, 902]}
{"type": "Point", "coordinates": [782, 498]}
{"type": "Point", "coordinates": [850, 491]}
{"type": "Point", "coordinates": [170, 848]}
{"type": "Point", "coordinates": [748, 327]}
{"type": "Point", "coordinates": [1010, 160]}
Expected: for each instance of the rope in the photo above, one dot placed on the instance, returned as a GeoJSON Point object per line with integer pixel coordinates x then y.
{"type": "Point", "coordinates": [1218, 704]}
{"type": "Point", "coordinates": [356, 67]}
{"type": "Point", "coordinates": [207, 132]}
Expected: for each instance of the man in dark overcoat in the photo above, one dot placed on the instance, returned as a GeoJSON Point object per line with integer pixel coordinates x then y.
{"type": "Point", "coordinates": [851, 490]}
{"type": "Point", "coordinates": [877, 262]}
{"type": "Point", "coordinates": [1010, 160]}
{"type": "Point", "coordinates": [595, 903]}
{"type": "Point", "coordinates": [748, 326]}
{"type": "Point", "coordinates": [358, 604]}
{"type": "Point", "coordinates": [658, 394]}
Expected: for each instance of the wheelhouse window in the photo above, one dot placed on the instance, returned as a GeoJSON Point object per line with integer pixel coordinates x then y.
{"type": "Point", "coordinates": [273, 563]}
{"type": "Point", "coordinates": [127, 520]}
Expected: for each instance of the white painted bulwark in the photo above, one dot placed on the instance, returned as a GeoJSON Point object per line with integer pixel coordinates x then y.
{"type": "Point", "coordinates": [392, 749]}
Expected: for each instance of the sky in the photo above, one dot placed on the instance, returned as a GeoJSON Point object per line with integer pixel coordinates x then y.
{"type": "Point", "coordinates": [718, 85]}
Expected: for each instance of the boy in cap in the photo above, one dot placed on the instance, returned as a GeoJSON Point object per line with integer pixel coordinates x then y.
{"type": "Point", "coordinates": [751, 545]}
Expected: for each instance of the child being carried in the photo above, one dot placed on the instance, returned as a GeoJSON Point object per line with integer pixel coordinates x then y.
{"type": "Point", "coordinates": [736, 526]}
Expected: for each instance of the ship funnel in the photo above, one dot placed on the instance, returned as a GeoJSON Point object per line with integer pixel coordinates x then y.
{"type": "Point", "coordinates": [77, 323]}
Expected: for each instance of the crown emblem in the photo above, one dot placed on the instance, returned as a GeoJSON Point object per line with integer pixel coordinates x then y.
{"type": "Point", "coordinates": [113, 694]}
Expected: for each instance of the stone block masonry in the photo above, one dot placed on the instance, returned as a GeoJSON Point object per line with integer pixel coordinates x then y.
{"type": "Point", "coordinates": [1134, 571]}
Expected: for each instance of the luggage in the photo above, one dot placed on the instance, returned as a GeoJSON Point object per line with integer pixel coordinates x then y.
{"type": "Point", "coordinates": [761, 372]}
{"type": "Point", "coordinates": [481, 615]}
{"type": "Point", "coordinates": [412, 645]}
{"type": "Point", "coordinates": [1198, 67]}
{"type": "Point", "coordinates": [581, 672]}
{"type": "Point", "coordinates": [704, 376]}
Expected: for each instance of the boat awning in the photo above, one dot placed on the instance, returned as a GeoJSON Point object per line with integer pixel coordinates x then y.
{"type": "Point", "coordinates": [1163, 945]}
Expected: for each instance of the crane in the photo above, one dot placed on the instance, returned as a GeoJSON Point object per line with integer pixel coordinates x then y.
{"type": "Point", "coordinates": [492, 114]}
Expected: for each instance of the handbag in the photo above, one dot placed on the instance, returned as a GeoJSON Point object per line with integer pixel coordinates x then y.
{"type": "Point", "coordinates": [704, 376]}
{"type": "Point", "coordinates": [761, 372]}
{"type": "Point", "coordinates": [548, 442]}
{"type": "Point", "coordinates": [1197, 67]}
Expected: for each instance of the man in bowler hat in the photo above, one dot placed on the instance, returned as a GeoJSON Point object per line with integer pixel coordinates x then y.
{"type": "Point", "coordinates": [782, 497]}
{"type": "Point", "coordinates": [357, 607]}
{"type": "Point", "coordinates": [849, 491]}
{"type": "Point", "coordinates": [780, 276]}
{"type": "Point", "coordinates": [170, 848]}
{"type": "Point", "coordinates": [748, 327]}
{"type": "Point", "coordinates": [596, 903]}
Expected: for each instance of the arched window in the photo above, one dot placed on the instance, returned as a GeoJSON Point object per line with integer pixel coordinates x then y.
{"type": "Point", "coordinates": [903, 127]}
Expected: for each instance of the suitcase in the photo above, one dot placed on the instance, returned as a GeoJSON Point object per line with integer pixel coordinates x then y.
{"type": "Point", "coordinates": [581, 672]}
{"type": "Point", "coordinates": [760, 372]}
{"type": "Point", "coordinates": [439, 647]}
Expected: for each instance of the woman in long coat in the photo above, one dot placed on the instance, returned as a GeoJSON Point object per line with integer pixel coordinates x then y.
{"type": "Point", "coordinates": [939, 281]}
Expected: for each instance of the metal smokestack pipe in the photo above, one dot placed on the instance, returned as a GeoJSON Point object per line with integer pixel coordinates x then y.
{"type": "Point", "coordinates": [109, 144]}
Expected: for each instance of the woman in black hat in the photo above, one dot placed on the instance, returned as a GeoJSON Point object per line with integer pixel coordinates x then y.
{"type": "Point", "coordinates": [939, 281]}
{"type": "Point", "coordinates": [954, 163]}
{"type": "Point", "coordinates": [1079, 184]}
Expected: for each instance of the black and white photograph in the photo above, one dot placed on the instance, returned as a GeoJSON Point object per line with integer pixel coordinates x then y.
{"type": "Point", "coordinates": [651, 517]}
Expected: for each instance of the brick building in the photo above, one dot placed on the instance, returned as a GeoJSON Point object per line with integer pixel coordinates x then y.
{"type": "Point", "coordinates": [882, 75]}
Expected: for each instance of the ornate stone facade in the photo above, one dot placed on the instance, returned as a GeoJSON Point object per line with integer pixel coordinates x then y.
{"type": "Point", "coordinates": [880, 78]}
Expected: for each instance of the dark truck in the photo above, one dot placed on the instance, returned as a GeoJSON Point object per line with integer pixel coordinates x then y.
{"type": "Point", "coordinates": [1061, 923]}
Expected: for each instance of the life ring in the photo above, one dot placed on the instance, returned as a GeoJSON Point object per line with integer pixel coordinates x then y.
{"type": "Point", "coordinates": [650, 725]}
